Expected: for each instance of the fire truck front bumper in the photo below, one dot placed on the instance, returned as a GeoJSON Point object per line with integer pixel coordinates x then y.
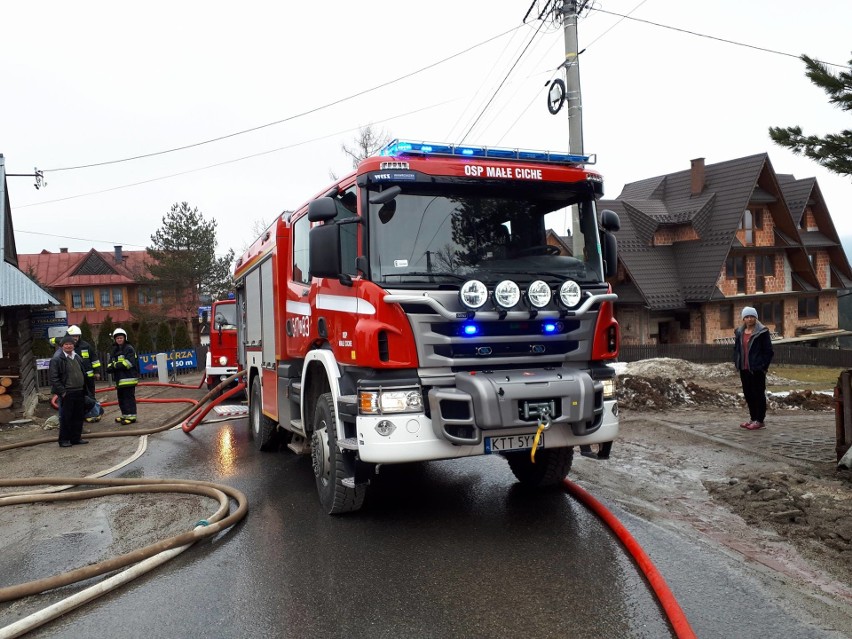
{"type": "Point", "coordinates": [411, 438]}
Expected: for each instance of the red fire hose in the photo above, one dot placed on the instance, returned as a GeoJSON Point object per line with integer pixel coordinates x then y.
{"type": "Point", "coordinates": [661, 590]}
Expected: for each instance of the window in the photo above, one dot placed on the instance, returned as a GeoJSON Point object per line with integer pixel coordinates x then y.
{"type": "Point", "coordinates": [758, 218]}
{"type": "Point", "coordinates": [747, 225]}
{"type": "Point", "coordinates": [150, 296]}
{"type": "Point", "coordinates": [735, 270]}
{"type": "Point", "coordinates": [117, 297]}
{"type": "Point", "coordinates": [764, 266]}
{"type": "Point", "coordinates": [76, 298]}
{"type": "Point", "coordinates": [346, 208]}
{"type": "Point", "coordinates": [301, 249]}
{"type": "Point", "coordinates": [808, 307]}
{"type": "Point", "coordinates": [105, 300]}
{"type": "Point", "coordinates": [771, 313]}
{"type": "Point", "coordinates": [726, 316]}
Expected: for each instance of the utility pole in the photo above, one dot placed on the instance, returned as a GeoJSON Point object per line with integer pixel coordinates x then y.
{"type": "Point", "coordinates": [573, 100]}
{"type": "Point", "coordinates": [573, 97]}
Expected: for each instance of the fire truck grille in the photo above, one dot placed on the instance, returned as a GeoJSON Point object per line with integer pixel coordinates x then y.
{"type": "Point", "coordinates": [529, 329]}
{"type": "Point", "coordinates": [482, 349]}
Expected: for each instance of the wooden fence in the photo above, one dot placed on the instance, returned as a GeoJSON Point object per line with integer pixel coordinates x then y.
{"type": "Point", "coordinates": [715, 353]}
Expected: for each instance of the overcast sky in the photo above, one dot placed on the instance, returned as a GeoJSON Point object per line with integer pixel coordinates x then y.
{"type": "Point", "coordinates": [95, 82]}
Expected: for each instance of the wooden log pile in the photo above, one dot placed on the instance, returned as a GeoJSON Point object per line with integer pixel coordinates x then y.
{"type": "Point", "coordinates": [5, 398]}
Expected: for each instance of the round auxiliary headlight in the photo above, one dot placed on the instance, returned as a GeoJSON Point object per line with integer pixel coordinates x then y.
{"type": "Point", "coordinates": [569, 293]}
{"type": "Point", "coordinates": [539, 294]}
{"type": "Point", "coordinates": [507, 294]}
{"type": "Point", "coordinates": [473, 294]}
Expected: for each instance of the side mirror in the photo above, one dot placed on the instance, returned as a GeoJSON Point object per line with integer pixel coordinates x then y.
{"type": "Point", "coordinates": [385, 196]}
{"type": "Point", "coordinates": [322, 210]}
{"type": "Point", "coordinates": [324, 246]}
{"type": "Point", "coordinates": [610, 221]}
{"type": "Point", "coordinates": [609, 247]}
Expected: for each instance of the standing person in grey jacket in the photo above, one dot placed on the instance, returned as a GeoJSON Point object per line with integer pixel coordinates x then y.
{"type": "Point", "coordinates": [68, 382]}
{"type": "Point", "coordinates": [752, 357]}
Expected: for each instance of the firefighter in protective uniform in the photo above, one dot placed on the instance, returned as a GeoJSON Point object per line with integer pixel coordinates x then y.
{"type": "Point", "coordinates": [124, 368]}
{"type": "Point", "coordinates": [91, 363]}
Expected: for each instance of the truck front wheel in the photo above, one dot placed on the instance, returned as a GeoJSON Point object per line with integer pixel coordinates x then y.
{"type": "Point", "coordinates": [330, 467]}
{"type": "Point", "coordinates": [261, 428]}
{"type": "Point", "coordinates": [550, 467]}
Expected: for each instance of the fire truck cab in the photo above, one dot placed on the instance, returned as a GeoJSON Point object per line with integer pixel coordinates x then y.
{"type": "Point", "coordinates": [415, 310]}
{"type": "Point", "coordinates": [222, 352]}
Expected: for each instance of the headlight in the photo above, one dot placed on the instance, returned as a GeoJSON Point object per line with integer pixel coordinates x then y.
{"type": "Point", "coordinates": [609, 388]}
{"type": "Point", "coordinates": [223, 360]}
{"type": "Point", "coordinates": [569, 293]}
{"type": "Point", "coordinates": [539, 294]}
{"type": "Point", "coordinates": [390, 401]}
{"type": "Point", "coordinates": [473, 294]}
{"type": "Point", "coordinates": [507, 294]}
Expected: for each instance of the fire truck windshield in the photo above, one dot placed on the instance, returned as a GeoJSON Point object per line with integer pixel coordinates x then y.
{"type": "Point", "coordinates": [433, 235]}
{"type": "Point", "coordinates": [226, 316]}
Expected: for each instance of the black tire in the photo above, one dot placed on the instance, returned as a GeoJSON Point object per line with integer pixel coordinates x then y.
{"type": "Point", "coordinates": [550, 467]}
{"type": "Point", "coordinates": [261, 428]}
{"type": "Point", "coordinates": [329, 465]}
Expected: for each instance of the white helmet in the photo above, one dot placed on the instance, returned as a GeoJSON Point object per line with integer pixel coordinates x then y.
{"type": "Point", "coordinates": [119, 331]}
{"type": "Point", "coordinates": [74, 330]}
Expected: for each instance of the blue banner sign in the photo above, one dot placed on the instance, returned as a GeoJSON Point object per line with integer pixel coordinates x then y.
{"type": "Point", "coordinates": [180, 360]}
{"type": "Point", "coordinates": [42, 321]}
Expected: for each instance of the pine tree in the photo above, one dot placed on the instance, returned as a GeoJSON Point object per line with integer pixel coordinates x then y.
{"type": "Point", "coordinates": [164, 338]}
{"type": "Point", "coordinates": [182, 336]}
{"type": "Point", "coordinates": [834, 151]}
{"type": "Point", "coordinates": [86, 331]}
{"type": "Point", "coordinates": [183, 251]}
{"type": "Point", "coordinates": [105, 340]}
{"type": "Point", "coordinates": [144, 343]}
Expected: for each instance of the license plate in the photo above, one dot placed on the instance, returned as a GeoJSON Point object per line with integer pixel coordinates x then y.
{"type": "Point", "coordinates": [511, 442]}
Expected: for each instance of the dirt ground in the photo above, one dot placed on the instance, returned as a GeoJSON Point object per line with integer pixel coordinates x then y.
{"type": "Point", "coordinates": [787, 515]}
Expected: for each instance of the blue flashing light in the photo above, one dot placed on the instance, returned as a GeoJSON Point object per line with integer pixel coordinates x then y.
{"type": "Point", "coordinates": [549, 327]}
{"type": "Point", "coordinates": [471, 329]}
{"type": "Point", "coordinates": [407, 147]}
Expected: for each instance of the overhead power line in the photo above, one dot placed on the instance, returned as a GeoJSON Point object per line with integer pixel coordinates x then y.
{"type": "Point", "coordinates": [710, 37]}
{"type": "Point", "coordinates": [500, 86]}
{"type": "Point", "coordinates": [292, 117]}
{"type": "Point", "coordinates": [224, 162]}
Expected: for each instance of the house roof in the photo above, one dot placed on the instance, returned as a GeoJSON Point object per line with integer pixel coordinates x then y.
{"type": "Point", "coordinates": [91, 268]}
{"type": "Point", "coordinates": [687, 271]}
{"type": "Point", "coordinates": [16, 289]}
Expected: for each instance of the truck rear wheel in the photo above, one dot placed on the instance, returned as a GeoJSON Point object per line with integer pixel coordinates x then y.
{"type": "Point", "coordinates": [550, 467]}
{"type": "Point", "coordinates": [261, 428]}
{"type": "Point", "coordinates": [330, 467]}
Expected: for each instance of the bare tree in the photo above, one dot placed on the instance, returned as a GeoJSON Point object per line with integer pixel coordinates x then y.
{"type": "Point", "coordinates": [368, 142]}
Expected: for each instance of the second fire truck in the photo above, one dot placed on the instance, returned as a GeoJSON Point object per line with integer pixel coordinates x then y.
{"type": "Point", "coordinates": [416, 310]}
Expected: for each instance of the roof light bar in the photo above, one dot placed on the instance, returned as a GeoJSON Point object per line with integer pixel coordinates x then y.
{"type": "Point", "coordinates": [407, 147]}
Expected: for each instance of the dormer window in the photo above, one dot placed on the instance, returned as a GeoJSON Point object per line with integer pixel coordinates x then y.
{"type": "Point", "coordinates": [752, 219]}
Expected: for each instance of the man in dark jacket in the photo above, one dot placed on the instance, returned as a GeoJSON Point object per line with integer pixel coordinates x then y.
{"type": "Point", "coordinates": [68, 382]}
{"type": "Point", "coordinates": [89, 358]}
{"type": "Point", "coordinates": [124, 368]}
{"type": "Point", "coordinates": [752, 357]}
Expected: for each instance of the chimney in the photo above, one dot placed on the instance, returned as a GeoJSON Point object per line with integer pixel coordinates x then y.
{"type": "Point", "coordinates": [63, 249]}
{"type": "Point", "coordinates": [697, 176]}
{"type": "Point", "coordinates": [118, 257]}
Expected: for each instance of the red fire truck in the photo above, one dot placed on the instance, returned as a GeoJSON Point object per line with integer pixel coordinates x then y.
{"type": "Point", "coordinates": [222, 353]}
{"type": "Point", "coordinates": [415, 310]}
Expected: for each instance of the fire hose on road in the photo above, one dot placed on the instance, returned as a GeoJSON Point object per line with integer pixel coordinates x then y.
{"type": "Point", "coordinates": [143, 559]}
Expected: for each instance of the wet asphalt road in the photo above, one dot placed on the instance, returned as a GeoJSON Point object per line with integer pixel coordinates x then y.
{"type": "Point", "coordinates": [447, 549]}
